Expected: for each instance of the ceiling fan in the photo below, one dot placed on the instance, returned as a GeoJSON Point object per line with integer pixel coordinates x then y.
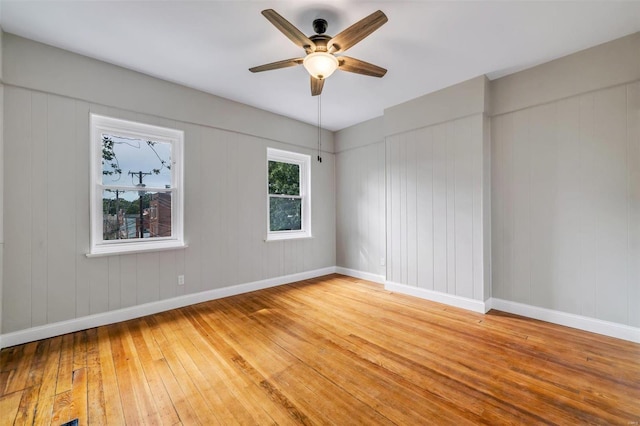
{"type": "Point", "coordinates": [320, 60]}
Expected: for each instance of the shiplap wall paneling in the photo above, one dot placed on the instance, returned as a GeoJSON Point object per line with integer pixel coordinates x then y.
{"type": "Point", "coordinates": [612, 289]}
{"type": "Point", "coordinates": [481, 216]}
{"type": "Point", "coordinates": [231, 207]}
{"type": "Point", "coordinates": [377, 189]}
{"type": "Point", "coordinates": [46, 275]}
{"type": "Point", "coordinates": [323, 207]}
{"type": "Point", "coordinates": [251, 214]}
{"type": "Point", "coordinates": [194, 214]}
{"type": "Point", "coordinates": [425, 210]}
{"type": "Point", "coordinates": [566, 171]}
{"type": "Point", "coordinates": [633, 155]}
{"type": "Point", "coordinates": [128, 280]}
{"type": "Point", "coordinates": [348, 245]}
{"type": "Point", "coordinates": [113, 263]}
{"type": "Point", "coordinates": [452, 261]}
{"type": "Point", "coordinates": [99, 286]}
{"type": "Point", "coordinates": [343, 219]}
{"type": "Point", "coordinates": [439, 217]}
{"type": "Point", "coordinates": [2, 180]}
{"type": "Point", "coordinates": [500, 127]}
{"type": "Point", "coordinates": [83, 270]}
{"type": "Point", "coordinates": [543, 175]}
{"type": "Point", "coordinates": [411, 262]}
{"type": "Point", "coordinates": [565, 195]}
{"type": "Point", "coordinates": [344, 222]}
{"type": "Point", "coordinates": [360, 208]}
{"type": "Point", "coordinates": [17, 299]}
{"type": "Point", "coordinates": [39, 168]}
{"type": "Point", "coordinates": [167, 274]}
{"type": "Point", "coordinates": [467, 147]}
{"type": "Point", "coordinates": [207, 229]}
{"type": "Point", "coordinates": [147, 277]}
{"type": "Point", "coordinates": [521, 196]}
{"type": "Point", "coordinates": [61, 229]}
{"type": "Point", "coordinates": [434, 224]}
{"type": "Point", "coordinates": [393, 196]}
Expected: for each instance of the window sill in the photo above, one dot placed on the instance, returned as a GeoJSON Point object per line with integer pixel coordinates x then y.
{"type": "Point", "coordinates": [287, 236]}
{"type": "Point", "coordinates": [133, 248]}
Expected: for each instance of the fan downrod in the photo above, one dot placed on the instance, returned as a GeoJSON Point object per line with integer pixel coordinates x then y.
{"type": "Point", "coordinates": [320, 26]}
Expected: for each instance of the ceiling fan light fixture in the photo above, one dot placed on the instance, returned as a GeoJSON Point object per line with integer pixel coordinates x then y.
{"type": "Point", "coordinates": [320, 64]}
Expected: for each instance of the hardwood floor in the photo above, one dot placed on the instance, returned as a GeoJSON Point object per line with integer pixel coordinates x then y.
{"type": "Point", "coordinates": [331, 350]}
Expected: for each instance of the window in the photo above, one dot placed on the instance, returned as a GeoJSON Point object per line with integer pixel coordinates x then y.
{"type": "Point", "coordinates": [289, 195]}
{"type": "Point", "coordinates": [136, 187]}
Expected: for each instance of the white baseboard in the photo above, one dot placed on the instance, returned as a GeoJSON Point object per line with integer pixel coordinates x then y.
{"type": "Point", "coordinates": [619, 331]}
{"type": "Point", "coordinates": [611, 329]}
{"type": "Point", "coordinates": [104, 318]}
{"type": "Point", "coordinates": [380, 279]}
{"type": "Point", "coordinates": [436, 296]}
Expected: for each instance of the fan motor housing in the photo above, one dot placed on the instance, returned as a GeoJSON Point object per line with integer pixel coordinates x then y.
{"type": "Point", "coordinates": [320, 25]}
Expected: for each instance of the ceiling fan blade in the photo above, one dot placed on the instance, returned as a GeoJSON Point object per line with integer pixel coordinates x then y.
{"type": "Point", "coordinates": [316, 86]}
{"type": "Point", "coordinates": [288, 29]}
{"type": "Point", "coordinates": [356, 32]}
{"type": "Point", "coordinates": [277, 65]}
{"type": "Point", "coordinates": [357, 66]}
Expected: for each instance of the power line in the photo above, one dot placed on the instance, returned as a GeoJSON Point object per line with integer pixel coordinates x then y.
{"type": "Point", "coordinates": [140, 175]}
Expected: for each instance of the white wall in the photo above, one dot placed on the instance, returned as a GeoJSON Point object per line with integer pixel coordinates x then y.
{"type": "Point", "coordinates": [435, 208]}
{"type": "Point", "coordinates": [436, 167]}
{"type": "Point", "coordinates": [413, 193]}
{"type": "Point", "coordinates": [1, 176]}
{"type": "Point", "coordinates": [567, 205]}
{"type": "Point", "coordinates": [360, 199]}
{"type": "Point", "coordinates": [48, 96]}
{"type": "Point", "coordinates": [566, 184]}
{"type": "Point", "coordinates": [561, 218]}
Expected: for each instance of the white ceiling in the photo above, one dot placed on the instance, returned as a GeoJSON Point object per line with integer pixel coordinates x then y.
{"type": "Point", "coordinates": [426, 45]}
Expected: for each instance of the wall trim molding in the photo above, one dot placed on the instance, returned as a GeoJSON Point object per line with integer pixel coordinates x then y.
{"type": "Point", "coordinates": [111, 317]}
{"type": "Point", "coordinates": [380, 279]}
{"type": "Point", "coordinates": [436, 296]}
{"type": "Point", "coordinates": [593, 325]}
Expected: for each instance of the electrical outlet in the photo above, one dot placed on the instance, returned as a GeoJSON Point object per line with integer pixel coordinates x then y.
{"type": "Point", "coordinates": [180, 279]}
{"type": "Point", "coordinates": [382, 261]}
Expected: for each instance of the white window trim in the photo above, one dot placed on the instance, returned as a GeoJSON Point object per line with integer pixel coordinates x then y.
{"type": "Point", "coordinates": [101, 124]}
{"type": "Point", "coordinates": [304, 161]}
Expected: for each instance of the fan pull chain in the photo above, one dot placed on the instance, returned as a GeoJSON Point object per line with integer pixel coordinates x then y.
{"type": "Point", "coordinates": [319, 128]}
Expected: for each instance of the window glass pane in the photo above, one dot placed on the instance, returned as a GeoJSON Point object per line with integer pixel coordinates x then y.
{"type": "Point", "coordinates": [121, 216]}
{"type": "Point", "coordinates": [131, 162]}
{"type": "Point", "coordinates": [284, 178]}
{"type": "Point", "coordinates": [285, 214]}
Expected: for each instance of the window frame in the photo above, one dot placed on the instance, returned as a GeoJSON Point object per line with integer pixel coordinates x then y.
{"type": "Point", "coordinates": [304, 163]}
{"type": "Point", "coordinates": [100, 124]}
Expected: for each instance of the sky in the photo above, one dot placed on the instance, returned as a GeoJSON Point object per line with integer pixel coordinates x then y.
{"type": "Point", "coordinates": [136, 155]}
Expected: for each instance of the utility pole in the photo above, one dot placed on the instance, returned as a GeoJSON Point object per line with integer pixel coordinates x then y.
{"type": "Point", "coordinates": [140, 193]}
{"type": "Point", "coordinates": [118, 214]}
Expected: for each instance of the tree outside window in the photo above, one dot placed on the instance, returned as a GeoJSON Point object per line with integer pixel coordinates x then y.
{"type": "Point", "coordinates": [288, 195]}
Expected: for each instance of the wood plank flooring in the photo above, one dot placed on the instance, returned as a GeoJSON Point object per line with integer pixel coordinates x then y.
{"type": "Point", "coordinates": [333, 350]}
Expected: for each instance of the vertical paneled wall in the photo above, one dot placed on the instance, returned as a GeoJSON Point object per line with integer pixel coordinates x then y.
{"type": "Point", "coordinates": [434, 207]}
{"type": "Point", "coordinates": [48, 278]}
{"type": "Point", "coordinates": [1, 185]}
{"type": "Point", "coordinates": [360, 203]}
{"type": "Point", "coordinates": [1, 173]}
{"type": "Point", "coordinates": [566, 205]}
